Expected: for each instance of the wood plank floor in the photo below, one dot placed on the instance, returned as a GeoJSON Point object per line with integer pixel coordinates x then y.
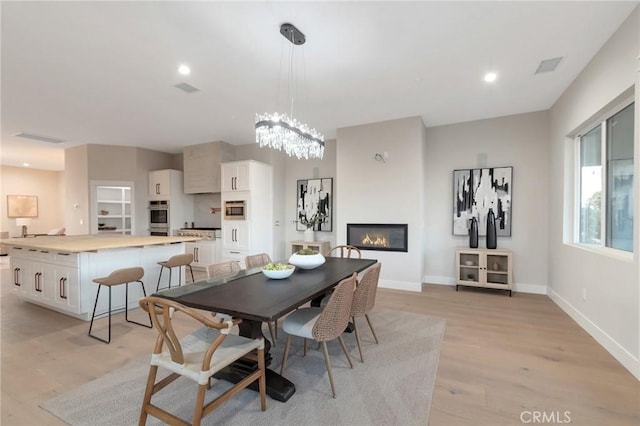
{"type": "Point", "coordinates": [503, 360]}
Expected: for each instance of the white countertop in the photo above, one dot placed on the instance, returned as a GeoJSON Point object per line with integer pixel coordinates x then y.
{"type": "Point", "coordinates": [81, 243]}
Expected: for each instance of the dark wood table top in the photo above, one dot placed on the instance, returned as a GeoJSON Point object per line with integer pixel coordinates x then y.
{"type": "Point", "coordinates": [251, 295]}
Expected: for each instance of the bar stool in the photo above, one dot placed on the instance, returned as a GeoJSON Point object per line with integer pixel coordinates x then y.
{"type": "Point", "coordinates": [177, 261]}
{"type": "Point", "coordinates": [118, 277]}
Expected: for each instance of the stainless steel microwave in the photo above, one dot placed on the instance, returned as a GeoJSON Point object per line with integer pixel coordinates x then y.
{"type": "Point", "coordinates": [235, 210]}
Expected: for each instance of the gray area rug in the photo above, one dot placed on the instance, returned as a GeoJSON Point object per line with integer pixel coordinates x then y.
{"type": "Point", "coordinates": [393, 387]}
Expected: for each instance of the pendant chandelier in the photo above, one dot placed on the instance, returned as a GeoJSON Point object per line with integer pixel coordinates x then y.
{"type": "Point", "coordinates": [280, 130]}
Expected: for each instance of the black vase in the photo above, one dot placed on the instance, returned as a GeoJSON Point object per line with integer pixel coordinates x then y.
{"type": "Point", "coordinates": [491, 230]}
{"type": "Point", "coordinates": [473, 233]}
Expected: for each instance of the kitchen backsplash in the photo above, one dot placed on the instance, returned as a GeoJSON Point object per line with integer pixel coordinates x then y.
{"type": "Point", "coordinates": [202, 204]}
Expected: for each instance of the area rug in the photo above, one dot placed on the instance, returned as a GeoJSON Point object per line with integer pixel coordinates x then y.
{"type": "Point", "coordinates": [392, 387]}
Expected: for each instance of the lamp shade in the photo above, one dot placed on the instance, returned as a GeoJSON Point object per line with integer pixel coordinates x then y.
{"type": "Point", "coordinates": [23, 221]}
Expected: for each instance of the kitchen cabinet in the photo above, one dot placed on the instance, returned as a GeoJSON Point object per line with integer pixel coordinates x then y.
{"type": "Point", "coordinates": [251, 182]}
{"type": "Point", "coordinates": [164, 183]}
{"type": "Point", "coordinates": [46, 277]}
{"type": "Point", "coordinates": [202, 166]}
{"type": "Point", "coordinates": [236, 176]}
{"type": "Point", "coordinates": [113, 210]}
{"type": "Point", "coordinates": [204, 253]}
{"type": "Point", "coordinates": [484, 268]}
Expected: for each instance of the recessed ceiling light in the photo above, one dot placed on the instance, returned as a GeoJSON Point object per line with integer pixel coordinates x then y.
{"type": "Point", "coordinates": [184, 69]}
{"type": "Point", "coordinates": [25, 164]}
{"type": "Point", "coordinates": [490, 77]}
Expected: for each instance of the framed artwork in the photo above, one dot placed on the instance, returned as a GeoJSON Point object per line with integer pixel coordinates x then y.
{"type": "Point", "coordinates": [22, 206]}
{"type": "Point", "coordinates": [315, 197]}
{"type": "Point", "coordinates": [475, 191]}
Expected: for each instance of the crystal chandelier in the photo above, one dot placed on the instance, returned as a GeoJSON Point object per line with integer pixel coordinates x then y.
{"type": "Point", "coordinates": [281, 131]}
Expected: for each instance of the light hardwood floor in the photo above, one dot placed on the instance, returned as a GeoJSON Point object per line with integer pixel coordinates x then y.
{"type": "Point", "coordinates": [503, 360]}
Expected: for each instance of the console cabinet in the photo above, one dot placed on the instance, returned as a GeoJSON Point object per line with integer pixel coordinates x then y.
{"type": "Point", "coordinates": [321, 247]}
{"type": "Point", "coordinates": [484, 268]}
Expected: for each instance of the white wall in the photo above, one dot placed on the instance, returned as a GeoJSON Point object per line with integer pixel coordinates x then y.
{"type": "Point", "coordinates": [47, 185]}
{"type": "Point", "coordinates": [372, 191]}
{"type": "Point", "coordinates": [610, 312]}
{"type": "Point", "coordinates": [520, 141]}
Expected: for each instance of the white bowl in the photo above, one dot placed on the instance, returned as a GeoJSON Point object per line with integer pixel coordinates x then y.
{"type": "Point", "coordinates": [278, 274]}
{"type": "Point", "coordinates": [468, 262]}
{"type": "Point", "coordinates": [306, 261]}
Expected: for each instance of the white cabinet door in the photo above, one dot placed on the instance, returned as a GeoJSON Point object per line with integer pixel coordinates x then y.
{"type": "Point", "coordinates": [203, 253]}
{"type": "Point", "coordinates": [41, 281]}
{"type": "Point", "coordinates": [20, 274]}
{"type": "Point", "coordinates": [236, 234]}
{"type": "Point", "coordinates": [67, 289]}
{"type": "Point", "coordinates": [159, 184]}
{"type": "Point", "coordinates": [235, 176]}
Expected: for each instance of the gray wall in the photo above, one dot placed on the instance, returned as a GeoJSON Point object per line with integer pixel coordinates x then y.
{"type": "Point", "coordinates": [520, 141]}
{"type": "Point", "coordinates": [611, 281]}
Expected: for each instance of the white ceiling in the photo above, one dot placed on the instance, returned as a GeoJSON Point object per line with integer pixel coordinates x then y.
{"type": "Point", "coordinates": [103, 72]}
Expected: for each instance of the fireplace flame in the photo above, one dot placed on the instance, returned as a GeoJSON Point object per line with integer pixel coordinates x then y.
{"type": "Point", "coordinates": [376, 240]}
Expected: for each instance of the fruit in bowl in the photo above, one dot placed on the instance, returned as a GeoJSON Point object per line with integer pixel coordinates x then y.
{"type": "Point", "coordinates": [278, 271]}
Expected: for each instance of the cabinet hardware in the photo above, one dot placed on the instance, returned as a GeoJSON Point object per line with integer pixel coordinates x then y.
{"type": "Point", "coordinates": [63, 254]}
{"type": "Point", "coordinates": [37, 282]}
{"type": "Point", "coordinates": [16, 277]}
{"type": "Point", "coordinates": [63, 294]}
{"type": "Point", "coordinates": [158, 188]}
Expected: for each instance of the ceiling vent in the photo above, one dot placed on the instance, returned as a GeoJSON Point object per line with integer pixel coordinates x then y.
{"type": "Point", "coordinates": [549, 65]}
{"type": "Point", "coordinates": [186, 87]}
{"type": "Point", "coordinates": [38, 138]}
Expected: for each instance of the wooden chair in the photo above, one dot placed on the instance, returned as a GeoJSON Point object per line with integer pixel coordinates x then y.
{"type": "Point", "coordinates": [258, 261]}
{"type": "Point", "coordinates": [118, 277]}
{"type": "Point", "coordinates": [322, 324]}
{"type": "Point", "coordinates": [345, 251]}
{"type": "Point", "coordinates": [197, 356]}
{"type": "Point", "coordinates": [177, 261]}
{"type": "Point", "coordinates": [364, 298]}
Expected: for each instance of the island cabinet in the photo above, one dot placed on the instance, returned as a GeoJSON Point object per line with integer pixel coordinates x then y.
{"type": "Point", "coordinates": [63, 280]}
{"type": "Point", "coordinates": [484, 268]}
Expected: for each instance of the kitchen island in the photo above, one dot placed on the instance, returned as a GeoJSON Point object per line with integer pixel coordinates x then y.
{"type": "Point", "coordinates": [57, 271]}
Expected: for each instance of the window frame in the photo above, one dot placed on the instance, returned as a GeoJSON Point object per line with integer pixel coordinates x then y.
{"type": "Point", "coordinates": [600, 119]}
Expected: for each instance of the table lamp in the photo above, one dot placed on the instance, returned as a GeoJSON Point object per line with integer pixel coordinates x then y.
{"type": "Point", "coordinates": [24, 222]}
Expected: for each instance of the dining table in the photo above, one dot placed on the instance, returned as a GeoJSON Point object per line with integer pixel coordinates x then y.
{"type": "Point", "coordinates": [256, 299]}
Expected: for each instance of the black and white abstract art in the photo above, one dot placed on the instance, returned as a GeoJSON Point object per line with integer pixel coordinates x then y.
{"type": "Point", "coordinates": [478, 190]}
{"type": "Point", "coordinates": [315, 196]}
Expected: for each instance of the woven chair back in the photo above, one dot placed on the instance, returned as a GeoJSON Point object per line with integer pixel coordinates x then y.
{"type": "Point", "coordinates": [223, 269]}
{"type": "Point", "coordinates": [257, 260]}
{"type": "Point", "coordinates": [345, 251]}
{"type": "Point", "coordinates": [336, 313]}
{"type": "Point", "coordinates": [364, 297]}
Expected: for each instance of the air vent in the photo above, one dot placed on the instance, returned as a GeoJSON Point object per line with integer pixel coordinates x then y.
{"type": "Point", "coordinates": [549, 65]}
{"type": "Point", "coordinates": [186, 87]}
{"type": "Point", "coordinates": [38, 138]}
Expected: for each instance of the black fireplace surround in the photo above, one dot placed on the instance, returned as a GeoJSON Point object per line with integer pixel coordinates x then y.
{"type": "Point", "coordinates": [378, 236]}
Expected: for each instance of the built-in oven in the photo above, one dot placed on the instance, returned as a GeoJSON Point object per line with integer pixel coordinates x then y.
{"type": "Point", "coordinates": [235, 210]}
{"type": "Point", "coordinates": [159, 218]}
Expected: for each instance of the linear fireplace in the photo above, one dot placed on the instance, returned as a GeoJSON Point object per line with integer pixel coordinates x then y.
{"type": "Point", "coordinates": [379, 236]}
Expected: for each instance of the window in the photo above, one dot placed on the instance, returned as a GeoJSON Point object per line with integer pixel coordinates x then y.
{"type": "Point", "coordinates": [606, 182]}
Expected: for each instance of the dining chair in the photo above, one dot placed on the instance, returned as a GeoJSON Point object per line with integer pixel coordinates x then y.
{"type": "Point", "coordinates": [257, 261]}
{"type": "Point", "coordinates": [364, 298]}
{"type": "Point", "coordinates": [222, 270]}
{"type": "Point", "coordinates": [196, 356]}
{"type": "Point", "coordinates": [322, 324]}
{"type": "Point", "coordinates": [345, 251]}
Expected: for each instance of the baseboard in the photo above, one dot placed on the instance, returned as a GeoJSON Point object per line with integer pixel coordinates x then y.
{"type": "Point", "coordinates": [623, 356]}
{"type": "Point", "coordinates": [518, 287]}
{"type": "Point", "coordinates": [400, 285]}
